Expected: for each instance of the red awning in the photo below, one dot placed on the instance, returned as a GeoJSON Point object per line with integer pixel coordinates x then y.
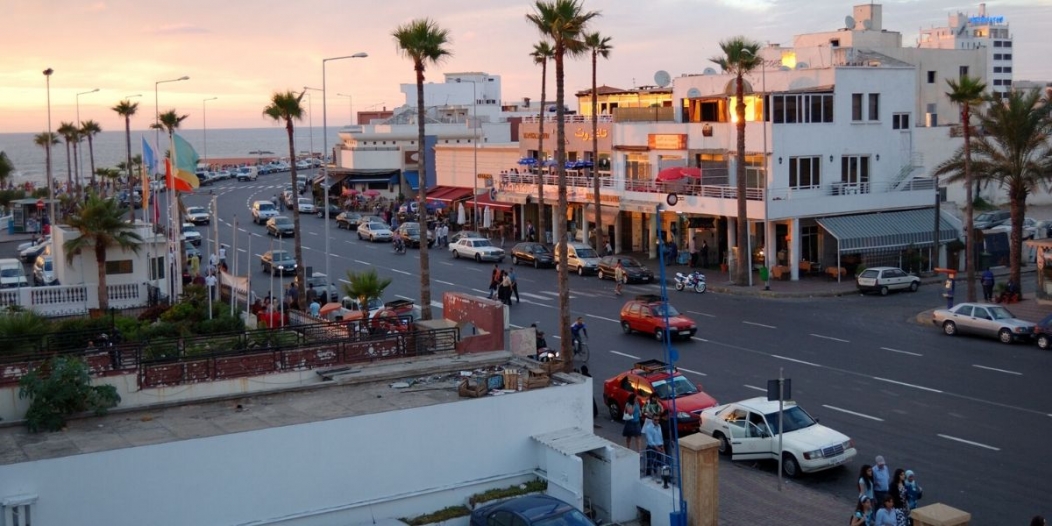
{"type": "Point", "coordinates": [485, 201]}
{"type": "Point", "coordinates": [448, 194]}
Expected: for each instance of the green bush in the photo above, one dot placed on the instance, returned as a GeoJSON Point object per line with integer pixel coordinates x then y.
{"type": "Point", "coordinates": [59, 388]}
{"type": "Point", "coordinates": [533, 486]}
{"type": "Point", "coordinates": [24, 331]}
{"type": "Point", "coordinates": [444, 514]}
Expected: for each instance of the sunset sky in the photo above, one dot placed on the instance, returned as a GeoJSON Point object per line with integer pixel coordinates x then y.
{"type": "Point", "coordinates": [241, 51]}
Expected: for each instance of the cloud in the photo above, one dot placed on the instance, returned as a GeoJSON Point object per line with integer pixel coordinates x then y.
{"type": "Point", "coordinates": [749, 5]}
{"type": "Point", "coordinates": [179, 29]}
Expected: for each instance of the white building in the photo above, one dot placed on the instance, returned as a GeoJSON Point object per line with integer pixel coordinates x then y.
{"type": "Point", "coordinates": [988, 33]}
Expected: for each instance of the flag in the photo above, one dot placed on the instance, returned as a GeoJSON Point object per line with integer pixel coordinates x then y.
{"type": "Point", "coordinates": [149, 158]}
{"type": "Point", "coordinates": [185, 165]}
{"type": "Point", "coordinates": [173, 181]}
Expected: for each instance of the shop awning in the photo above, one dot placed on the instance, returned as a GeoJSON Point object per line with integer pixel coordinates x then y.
{"type": "Point", "coordinates": [448, 194]}
{"type": "Point", "coordinates": [887, 230]}
{"type": "Point", "coordinates": [484, 201]}
{"type": "Point", "coordinates": [508, 197]}
{"type": "Point", "coordinates": [411, 176]}
{"type": "Point", "coordinates": [645, 207]}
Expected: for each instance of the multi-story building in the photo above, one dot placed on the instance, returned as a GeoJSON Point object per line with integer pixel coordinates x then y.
{"type": "Point", "coordinates": [989, 33]}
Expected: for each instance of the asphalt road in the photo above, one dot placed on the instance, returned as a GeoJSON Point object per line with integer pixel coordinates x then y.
{"type": "Point", "coordinates": [971, 417]}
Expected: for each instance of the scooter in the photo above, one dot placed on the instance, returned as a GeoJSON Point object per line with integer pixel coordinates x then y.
{"type": "Point", "coordinates": [695, 280]}
{"type": "Point", "coordinates": [399, 247]}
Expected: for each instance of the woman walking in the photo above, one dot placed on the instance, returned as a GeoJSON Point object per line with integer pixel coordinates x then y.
{"type": "Point", "coordinates": [619, 277]}
{"type": "Point", "coordinates": [632, 429]}
{"type": "Point", "coordinates": [863, 515]}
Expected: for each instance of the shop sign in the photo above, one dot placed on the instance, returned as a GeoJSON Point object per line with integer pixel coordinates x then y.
{"type": "Point", "coordinates": [485, 176]}
{"type": "Point", "coordinates": [667, 141]}
{"type": "Point", "coordinates": [534, 135]}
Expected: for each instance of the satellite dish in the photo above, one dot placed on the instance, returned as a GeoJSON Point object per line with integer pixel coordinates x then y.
{"type": "Point", "coordinates": [662, 78]}
{"type": "Point", "coordinates": [709, 71]}
{"type": "Point", "coordinates": [693, 93]}
{"type": "Point", "coordinates": [849, 22]}
{"type": "Point", "coordinates": [784, 68]}
{"type": "Point", "coordinates": [867, 24]}
{"type": "Point", "coordinates": [801, 65]}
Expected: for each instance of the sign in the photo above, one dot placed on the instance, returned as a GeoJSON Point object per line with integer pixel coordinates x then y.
{"type": "Point", "coordinates": [534, 135]}
{"type": "Point", "coordinates": [983, 20]}
{"type": "Point", "coordinates": [485, 176]}
{"type": "Point", "coordinates": [772, 389]}
{"type": "Point", "coordinates": [40, 204]}
{"type": "Point", "coordinates": [667, 141]}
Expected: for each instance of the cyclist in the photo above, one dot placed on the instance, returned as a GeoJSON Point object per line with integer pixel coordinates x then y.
{"type": "Point", "coordinates": [577, 330]}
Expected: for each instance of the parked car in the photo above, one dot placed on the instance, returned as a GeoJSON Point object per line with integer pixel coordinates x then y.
{"type": "Point", "coordinates": [306, 205]}
{"type": "Point", "coordinates": [652, 376]}
{"type": "Point", "coordinates": [31, 252]}
{"type": "Point", "coordinates": [886, 279]}
{"type": "Point", "coordinates": [262, 211]}
{"type": "Point", "coordinates": [1043, 333]}
{"type": "Point", "coordinates": [321, 285]}
{"type": "Point", "coordinates": [190, 234]}
{"type": "Point", "coordinates": [44, 271]}
{"type": "Point", "coordinates": [334, 210]}
{"type": "Point", "coordinates": [463, 234]}
{"type": "Point", "coordinates": [477, 248]}
{"type": "Point", "coordinates": [580, 258]}
{"type": "Point", "coordinates": [411, 234]}
{"type": "Point", "coordinates": [198, 215]}
{"type": "Point", "coordinates": [281, 226]}
{"type": "Point", "coordinates": [348, 220]}
{"type": "Point", "coordinates": [247, 173]}
{"type": "Point", "coordinates": [991, 219]}
{"type": "Point", "coordinates": [536, 254]}
{"type": "Point", "coordinates": [983, 319]}
{"type": "Point", "coordinates": [646, 314]}
{"type": "Point", "coordinates": [277, 262]}
{"type": "Point", "coordinates": [748, 430]}
{"type": "Point", "coordinates": [374, 231]}
{"type": "Point", "coordinates": [634, 271]}
{"type": "Point", "coordinates": [529, 510]}
{"type": "Point", "coordinates": [12, 274]}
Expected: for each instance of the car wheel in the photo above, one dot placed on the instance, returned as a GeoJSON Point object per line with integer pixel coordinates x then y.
{"type": "Point", "coordinates": [725, 445]}
{"type": "Point", "coordinates": [626, 328]}
{"type": "Point", "coordinates": [456, 255]}
{"type": "Point", "coordinates": [359, 236]}
{"type": "Point", "coordinates": [615, 410]}
{"type": "Point", "coordinates": [372, 238]}
{"type": "Point", "coordinates": [1043, 342]}
{"type": "Point", "coordinates": [514, 260]}
{"type": "Point", "coordinates": [950, 328]}
{"type": "Point", "coordinates": [536, 264]}
{"type": "Point", "coordinates": [914, 286]}
{"type": "Point", "coordinates": [599, 274]}
{"type": "Point", "coordinates": [884, 290]}
{"type": "Point", "coordinates": [478, 258]}
{"type": "Point", "coordinates": [580, 271]}
{"type": "Point", "coordinates": [1004, 335]}
{"type": "Point", "coordinates": [659, 335]}
{"type": "Point", "coordinates": [790, 466]}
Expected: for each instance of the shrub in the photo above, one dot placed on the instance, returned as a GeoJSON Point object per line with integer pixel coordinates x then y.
{"type": "Point", "coordinates": [443, 514]}
{"type": "Point", "coordinates": [23, 331]}
{"type": "Point", "coordinates": [59, 388]}
{"type": "Point", "coordinates": [154, 313]}
{"type": "Point", "coordinates": [533, 486]}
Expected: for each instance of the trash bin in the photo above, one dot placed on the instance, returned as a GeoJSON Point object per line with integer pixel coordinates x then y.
{"type": "Point", "coordinates": [764, 273]}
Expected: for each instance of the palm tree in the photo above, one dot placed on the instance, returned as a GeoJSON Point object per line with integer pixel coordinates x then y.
{"type": "Point", "coordinates": [423, 42]}
{"type": "Point", "coordinates": [542, 53]}
{"type": "Point", "coordinates": [6, 169]}
{"type": "Point", "coordinates": [170, 121]}
{"type": "Point", "coordinates": [90, 129]}
{"type": "Point", "coordinates": [286, 107]}
{"type": "Point", "coordinates": [967, 92]}
{"type": "Point", "coordinates": [101, 226]}
{"type": "Point", "coordinates": [127, 109]}
{"type": "Point", "coordinates": [740, 57]}
{"type": "Point", "coordinates": [600, 47]}
{"type": "Point", "coordinates": [1013, 151]}
{"type": "Point", "coordinates": [69, 132]}
{"type": "Point", "coordinates": [364, 286]}
{"type": "Point", "coordinates": [564, 23]}
{"type": "Point", "coordinates": [109, 176]}
{"type": "Point", "coordinates": [46, 140]}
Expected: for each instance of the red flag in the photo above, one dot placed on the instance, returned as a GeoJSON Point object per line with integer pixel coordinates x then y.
{"type": "Point", "coordinates": [173, 182]}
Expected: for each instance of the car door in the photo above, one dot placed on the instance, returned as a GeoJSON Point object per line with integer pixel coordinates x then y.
{"type": "Point", "coordinates": [962, 317]}
{"type": "Point", "coordinates": [754, 438]}
{"type": "Point", "coordinates": [895, 278]}
{"type": "Point", "coordinates": [635, 317]}
{"type": "Point", "coordinates": [984, 322]}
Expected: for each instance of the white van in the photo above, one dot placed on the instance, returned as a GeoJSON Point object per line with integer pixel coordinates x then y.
{"type": "Point", "coordinates": [301, 182]}
{"type": "Point", "coordinates": [12, 274]}
{"type": "Point", "coordinates": [580, 258]}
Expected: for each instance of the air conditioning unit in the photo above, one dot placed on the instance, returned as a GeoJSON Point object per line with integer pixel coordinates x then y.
{"type": "Point", "coordinates": [931, 119]}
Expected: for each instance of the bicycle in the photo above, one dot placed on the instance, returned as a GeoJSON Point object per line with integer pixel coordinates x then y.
{"type": "Point", "coordinates": [580, 349]}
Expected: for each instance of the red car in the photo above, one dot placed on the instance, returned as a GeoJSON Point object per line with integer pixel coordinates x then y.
{"type": "Point", "coordinates": [652, 376]}
{"type": "Point", "coordinates": [646, 314]}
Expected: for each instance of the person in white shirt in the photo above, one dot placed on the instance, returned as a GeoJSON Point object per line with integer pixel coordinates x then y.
{"type": "Point", "coordinates": [210, 283]}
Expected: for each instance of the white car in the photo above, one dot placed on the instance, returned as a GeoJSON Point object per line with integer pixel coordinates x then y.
{"type": "Point", "coordinates": [374, 231]}
{"type": "Point", "coordinates": [747, 430]}
{"type": "Point", "coordinates": [198, 215]}
{"type": "Point", "coordinates": [886, 279]}
{"type": "Point", "coordinates": [477, 248]}
{"type": "Point", "coordinates": [306, 205]}
{"type": "Point", "coordinates": [191, 235]}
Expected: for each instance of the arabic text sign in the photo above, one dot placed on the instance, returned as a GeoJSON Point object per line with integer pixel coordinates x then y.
{"type": "Point", "coordinates": [667, 141]}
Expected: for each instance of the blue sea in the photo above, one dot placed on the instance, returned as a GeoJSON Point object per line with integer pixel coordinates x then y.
{"type": "Point", "coordinates": [109, 146]}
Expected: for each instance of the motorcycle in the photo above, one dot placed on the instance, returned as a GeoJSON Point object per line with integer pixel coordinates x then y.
{"type": "Point", "coordinates": [399, 247]}
{"type": "Point", "coordinates": [695, 280]}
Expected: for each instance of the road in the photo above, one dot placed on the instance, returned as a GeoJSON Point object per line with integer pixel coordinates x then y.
{"type": "Point", "coordinates": [971, 417]}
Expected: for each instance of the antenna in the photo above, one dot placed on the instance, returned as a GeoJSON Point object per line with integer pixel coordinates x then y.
{"type": "Point", "coordinates": [849, 22]}
{"type": "Point", "coordinates": [662, 78]}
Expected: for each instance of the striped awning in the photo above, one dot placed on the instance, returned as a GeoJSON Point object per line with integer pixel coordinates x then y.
{"type": "Point", "coordinates": [887, 230]}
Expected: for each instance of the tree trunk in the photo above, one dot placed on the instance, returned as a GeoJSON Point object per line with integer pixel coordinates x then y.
{"type": "Point", "coordinates": [76, 165]}
{"type": "Point", "coordinates": [969, 207]}
{"type": "Point", "coordinates": [301, 269]}
{"type": "Point", "coordinates": [69, 166]}
{"type": "Point", "coordinates": [742, 262]}
{"type": "Point", "coordinates": [938, 224]}
{"type": "Point", "coordinates": [91, 158]}
{"type": "Point", "coordinates": [595, 163]}
{"type": "Point", "coordinates": [100, 262]}
{"type": "Point", "coordinates": [1015, 239]}
{"type": "Point", "coordinates": [559, 228]}
{"type": "Point", "coordinates": [425, 261]}
{"type": "Point", "coordinates": [540, 162]}
{"type": "Point", "coordinates": [127, 140]}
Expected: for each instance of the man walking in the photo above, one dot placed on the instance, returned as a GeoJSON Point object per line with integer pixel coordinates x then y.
{"type": "Point", "coordinates": [619, 277]}
{"type": "Point", "coordinates": [514, 285]}
{"type": "Point", "coordinates": [655, 446]}
{"type": "Point", "coordinates": [704, 254]}
{"type": "Point", "coordinates": [987, 281]}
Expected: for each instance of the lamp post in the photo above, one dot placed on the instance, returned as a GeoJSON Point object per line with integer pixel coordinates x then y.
{"type": "Point", "coordinates": [350, 107]}
{"type": "Point", "coordinates": [475, 153]}
{"type": "Point", "coordinates": [80, 154]}
{"type": "Point", "coordinates": [175, 260]}
{"type": "Point", "coordinates": [50, 185]}
{"type": "Point", "coordinates": [204, 126]}
{"type": "Point", "coordinates": [310, 117]}
{"type": "Point", "coordinates": [325, 139]}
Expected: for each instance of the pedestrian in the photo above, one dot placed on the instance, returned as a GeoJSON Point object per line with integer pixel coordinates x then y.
{"type": "Point", "coordinates": [863, 515]}
{"type": "Point", "coordinates": [311, 295]}
{"type": "Point", "coordinates": [901, 495]}
{"type": "Point", "coordinates": [210, 283]}
{"type": "Point", "coordinates": [595, 406]}
{"type": "Point", "coordinates": [693, 249]}
{"type": "Point", "coordinates": [315, 308]}
{"type": "Point", "coordinates": [655, 446]}
{"type": "Point", "coordinates": [292, 296]}
{"type": "Point", "coordinates": [886, 515]}
{"type": "Point", "coordinates": [608, 249]}
{"type": "Point", "coordinates": [222, 255]}
{"type": "Point", "coordinates": [987, 281]}
{"type": "Point", "coordinates": [865, 482]}
{"type": "Point", "coordinates": [630, 415]}
{"type": "Point", "coordinates": [652, 409]}
{"type": "Point", "coordinates": [913, 490]}
{"type": "Point", "coordinates": [704, 254]}
{"type": "Point", "coordinates": [494, 281]}
{"type": "Point", "coordinates": [503, 234]}
{"type": "Point", "coordinates": [881, 479]}
{"type": "Point", "coordinates": [619, 277]}
{"type": "Point", "coordinates": [514, 285]}
{"type": "Point", "coordinates": [531, 233]}
{"type": "Point", "coordinates": [504, 289]}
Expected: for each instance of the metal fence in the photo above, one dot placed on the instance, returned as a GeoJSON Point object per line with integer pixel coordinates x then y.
{"type": "Point", "coordinates": [658, 466]}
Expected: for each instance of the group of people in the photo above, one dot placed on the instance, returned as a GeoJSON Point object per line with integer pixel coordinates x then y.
{"type": "Point", "coordinates": [503, 284]}
{"type": "Point", "coordinates": [885, 498]}
{"type": "Point", "coordinates": [649, 422]}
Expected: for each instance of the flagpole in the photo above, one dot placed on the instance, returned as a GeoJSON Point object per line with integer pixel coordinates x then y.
{"type": "Point", "coordinates": [173, 210]}
{"type": "Point", "coordinates": [233, 231]}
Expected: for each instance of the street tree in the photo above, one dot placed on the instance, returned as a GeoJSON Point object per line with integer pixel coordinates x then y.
{"type": "Point", "coordinates": [100, 223]}
{"type": "Point", "coordinates": [88, 130]}
{"type": "Point", "coordinates": [285, 107]}
{"type": "Point", "coordinates": [967, 93]}
{"type": "Point", "coordinates": [599, 46]}
{"type": "Point", "coordinates": [126, 110]}
{"type": "Point", "coordinates": [71, 135]}
{"type": "Point", "coordinates": [542, 53]}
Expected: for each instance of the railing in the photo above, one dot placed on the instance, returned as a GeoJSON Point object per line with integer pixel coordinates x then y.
{"type": "Point", "coordinates": [658, 466]}
{"type": "Point", "coordinates": [569, 119]}
{"type": "Point", "coordinates": [649, 114]}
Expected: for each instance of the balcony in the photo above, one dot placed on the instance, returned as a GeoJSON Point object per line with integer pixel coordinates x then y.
{"type": "Point", "coordinates": [570, 119]}
{"type": "Point", "coordinates": [653, 114]}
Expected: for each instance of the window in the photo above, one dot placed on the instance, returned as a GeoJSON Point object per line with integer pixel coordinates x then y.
{"type": "Point", "coordinates": [805, 172]}
{"type": "Point", "coordinates": [997, 82]}
{"type": "Point", "coordinates": [156, 268]}
{"type": "Point", "coordinates": [962, 71]}
{"type": "Point", "coordinates": [900, 121]}
{"type": "Point", "coordinates": [931, 77]}
{"type": "Point", "coordinates": [997, 56]}
{"type": "Point", "coordinates": [874, 106]}
{"type": "Point", "coordinates": [17, 511]}
{"type": "Point", "coordinates": [997, 69]}
{"type": "Point", "coordinates": [123, 266]}
{"type": "Point", "coordinates": [1008, 56]}
{"type": "Point", "coordinates": [854, 169]}
{"type": "Point", "coordinates": [1006, 69]}
{"type": "Point", "coordinates": [801, 108]}
{"type": "Point", "coordinates": [1008, 43]}
{"type": "Point", "coordinates": [856, 106]}
{"type": "Point", "coordinates": [998, 43]}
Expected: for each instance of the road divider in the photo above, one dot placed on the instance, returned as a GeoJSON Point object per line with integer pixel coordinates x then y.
{"type": "Point", "coordinates": [759, 325]}
{"type": "Point", "coordinates": [904, 384]}
{"type": "Point", "coordinates": [603, 318]}
{"type": "Point", "coordinates": [830, 338]}
{"type": "Point", "coordinates": [707, 315]}
{"type": "Point", "coordinates": [794, 360]}
{"type": "Point", "coordinates": [900, 351]}
{"type": "Point", "coordinates": [691, 371]}
{"type": "Point", "coordinates": [626, 355]}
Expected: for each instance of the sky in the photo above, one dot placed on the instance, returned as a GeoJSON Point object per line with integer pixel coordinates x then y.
{"type": "Point", "coordinates": [242, 51]}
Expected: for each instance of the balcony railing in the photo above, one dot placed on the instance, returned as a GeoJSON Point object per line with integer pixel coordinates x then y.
{"type": "Point", "coordinates": [572, 119]}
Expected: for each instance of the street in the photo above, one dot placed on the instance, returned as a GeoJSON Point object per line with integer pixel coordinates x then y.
{"type": "Point", "coordinates": [970, 416]}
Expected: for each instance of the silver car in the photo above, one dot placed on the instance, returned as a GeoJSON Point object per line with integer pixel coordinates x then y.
{"type": "Point", "coordinates": [983, 319]}
{"type": "Point", "coordinates": [374, 231]}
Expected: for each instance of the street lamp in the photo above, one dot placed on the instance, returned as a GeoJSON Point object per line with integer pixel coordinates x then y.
{"type": "Point", "coordinates": [80, 154]}
{"type": "Point", "coordinates": [50, 185]}
{"type": "Point", "coordinates": [475, 143]}
{"type": "Point", "coordinates": [350, 106]}
{"type": "Point", "coordinates": [204, 126]}
{"type": "Point", "coordinates": [310, 122]}
{"type": "Point", "coordinates": [325, 165]}
{"type": "Point", "coordinates": [175, 260]}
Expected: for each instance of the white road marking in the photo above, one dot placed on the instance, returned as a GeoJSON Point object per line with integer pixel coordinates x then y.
{"type": "Point", "coordinates": [446, 263]}
{"type": "Point", "coordinates": [901, 352]}
{"type": "Point", "coordinates": [548, 292]}
{"type": "Point", "coordinates": [1006, 371]}
{"type": "Point", "coordinates": [701, 313]}
{"type": "Point", "coordinates": [754, 388]}
{"type": "Point", "coordinates": [405, 297]}
{"type": "Point", "coordinates": [625, 355]}
{"type": "Point", "coordinates": [603, 318]}
{"type": "Point", "coordinates": [243, 251]}
{"type": "Point", "coordinates": [445, 283]}
{"type": "Point", "coordinates": [904, 384]}
{"type": "Point", "coordinates": [691, 371]}
{"type": "Point", "coordinates": [759, 325]}
{"type": "Point", "coordinates": [699, 339]}
{"type": "Point", "coordinates": [538, 304]}
{"type": "Point", "coordinates": [486, 292]}
{"type": "Point", "coordinates": [842, 410]}
{"type": "Point", "coordinates": [345, 281]}
{"type": "Point", "coordinates": [401, 272]}
{"type": "Point", "coordinates": [969, 442]}
{"type": "Point", "coordinates": [513, 326]}
{"type": "Point", "coordinates": [360, 262]}
{"type": "Point", "coordinates": [259, 255]}
{"type": "Point", "coordinates": [831, 338]}
{"type": "Point", "coordinates": [436, 305]}
{"type": "Point", "coordinates": [535, 296]}
{"type": "Point", "coordinates": [795, 360]}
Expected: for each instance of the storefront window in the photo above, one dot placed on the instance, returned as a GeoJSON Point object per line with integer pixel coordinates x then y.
{"type": "Point", "coordinates": [637, 166]}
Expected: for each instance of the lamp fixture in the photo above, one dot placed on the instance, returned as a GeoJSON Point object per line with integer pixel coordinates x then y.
{"type": "Point", "coordinates": [830, 158]}
{"type": "Point", "coordinates": [779, 160]}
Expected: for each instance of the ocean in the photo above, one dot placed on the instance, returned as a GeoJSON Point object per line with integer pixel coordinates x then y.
{"type": "Point", "coordinates": [29, 162]}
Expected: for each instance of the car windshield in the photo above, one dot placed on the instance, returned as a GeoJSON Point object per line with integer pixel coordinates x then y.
{"type": "Point", "coordinates": [869, 273]}
{"type": "Point", "coordinates": [277, 256]}
{"type": "Point", "coordinates": [682, 386]}
{"type": "Point", "coordinates": [629, 262]}
{"type": "Point", "coordinates": [571, 518]}
{"type": "Point", "coordinates": [10, 272]}
{"type": "Point", "coordinates": [196, 210]}
{"type": "Point", "coordinates": [265, 206]}
{"type": "Point", "coordinates": [306, 201]}
{"type": "Point", "coordinates": [793, 419]}
{"type": "Point", "coordinates": [412, 231]}
{"type": "Point", "coordinates": [376, 226]}
{"type": "Point", "coordinates": [586, 253]}
{"type": "Point", "coordinates": [1000, 313]}
{"type": "Point", "coordinates": [481, 243]}
{"type": "Point", "coordinates": [282, 221]}
{"type": "Point", "coordinates": [659, 310]}
{"type": "Point", "coordinates": [541, 249]}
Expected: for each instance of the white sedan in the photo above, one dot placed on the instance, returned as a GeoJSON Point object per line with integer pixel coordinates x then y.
{"type": "Point", "coordinates": [886, 279]}
{"type": "Point", "coordinates": [374, 231]}
{"type": "Point", "coordinates": [748, 430]}
{"type": "Point", "coordinates": [198, 215]}
{"type": "Point", "coordinates": [477, 248]}
{"type": "Point", "coordinates": [306, 205]}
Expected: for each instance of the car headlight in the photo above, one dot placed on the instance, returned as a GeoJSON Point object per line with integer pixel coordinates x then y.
{"type": "Point", "coordinates": [1022, 330]}
{"type": "Point", "coordinates": [683, 415]}
{"type": "Point", "coordinates": [848, 444]}
{"type": "Point", "coordinates": [809, 455]}
{"type": "Point", "coordinates": [281, 267]}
